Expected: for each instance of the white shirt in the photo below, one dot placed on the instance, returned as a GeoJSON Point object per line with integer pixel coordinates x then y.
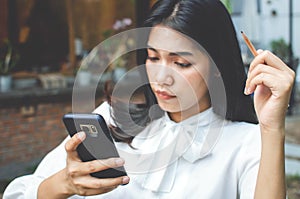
{"type": "Point", "coordinates": [203, 157]}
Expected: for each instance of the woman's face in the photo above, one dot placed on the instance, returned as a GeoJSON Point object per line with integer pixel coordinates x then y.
{"type": "Point", "coordinates": [178, 72]}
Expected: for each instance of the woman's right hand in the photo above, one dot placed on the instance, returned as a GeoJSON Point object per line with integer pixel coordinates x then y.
{"type": "Point", "coordinates": [75, 178]}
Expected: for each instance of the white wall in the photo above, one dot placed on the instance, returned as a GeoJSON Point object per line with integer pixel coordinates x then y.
{"type": "Point", "coordinates": [264, 27]}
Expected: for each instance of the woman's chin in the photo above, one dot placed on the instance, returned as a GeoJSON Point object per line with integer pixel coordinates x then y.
{"type": "Point", "coordinates": [168, 107]}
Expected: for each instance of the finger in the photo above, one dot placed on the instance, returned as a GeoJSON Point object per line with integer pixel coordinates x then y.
{"type": "Point", "coordinates": [268, 80]}
{"type": "Point", "coordinates": [88, 185]}
{"type": "Point", "coordinates": [86, 168]}
{"type": "Point", "coordinates": [105, 183]}
{"type": "Point", "coordinates": [261, 68]}
{"type": "Point", "coordinates": [268, 58]}
{"type": "Point", "coordinates": [92, 192]}
{"type": "Point", "coordinates": [73, 143]}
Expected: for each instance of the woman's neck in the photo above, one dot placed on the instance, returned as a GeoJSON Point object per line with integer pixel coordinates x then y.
{"type": "Point", "coordinates": [183, 115]}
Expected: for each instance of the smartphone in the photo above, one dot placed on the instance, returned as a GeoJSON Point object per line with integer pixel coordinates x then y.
{"type": "Point", "coordinates": [98, 143]}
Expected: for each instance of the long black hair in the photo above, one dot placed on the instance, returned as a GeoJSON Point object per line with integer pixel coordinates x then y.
{"type": "Point", "coordinates": [209, 24]}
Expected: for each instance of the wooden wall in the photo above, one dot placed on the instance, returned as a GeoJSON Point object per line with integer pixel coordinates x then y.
{"type": "Point", "coordinates": [3, 20]}
{"type": "Point", "coordinates": [90, 18]}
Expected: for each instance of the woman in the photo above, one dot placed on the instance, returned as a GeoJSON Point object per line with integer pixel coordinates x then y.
{"type": "Point", "coordinates": [206, 144]}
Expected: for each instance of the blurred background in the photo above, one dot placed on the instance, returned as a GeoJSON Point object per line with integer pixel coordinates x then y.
{"type": "Point", "coordinates": [42, 43]}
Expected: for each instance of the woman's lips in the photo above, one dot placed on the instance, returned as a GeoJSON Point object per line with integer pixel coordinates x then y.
{"type": "Point", "coordinates": [164, 95]}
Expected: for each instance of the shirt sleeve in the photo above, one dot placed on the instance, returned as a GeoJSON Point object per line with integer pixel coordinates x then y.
{"type": "Point", "coordinates": [104, 110]}
{"type": "Point", "coordinates": [26, 187]}
{"type": "Point", "coordinates": [249, 160]}
{"type": "Point", "coordinates": [23, 187]}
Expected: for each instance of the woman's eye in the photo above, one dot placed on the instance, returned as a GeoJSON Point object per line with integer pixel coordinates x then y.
{"type": "Point", "coordinates": [183, 65]}
{"type": "Point", "coordinates": [152, 59]}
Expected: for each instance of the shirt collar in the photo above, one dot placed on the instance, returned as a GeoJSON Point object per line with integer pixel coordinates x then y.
{"type": "Point", "coordinates": [164, 142]}
{"type": "Point", "coordinates": [197, 135]}
{"type": "Point", "coordinates": [201, 119]}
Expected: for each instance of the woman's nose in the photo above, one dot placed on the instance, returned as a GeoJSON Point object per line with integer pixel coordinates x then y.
{"type": "Point", "coordinates": [164, 75]}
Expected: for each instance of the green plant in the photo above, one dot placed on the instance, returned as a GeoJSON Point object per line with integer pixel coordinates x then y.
{"type": "Point", "coordinates": [293, 186]}
{"type": "Point", "coordinates": [228, 5]}
{"type": "Point", "coordinates": [280, 48]}
{"type": "Point", "coordinates": [8, 58]}
{"type": "Point", "coordinates": [292, 178]}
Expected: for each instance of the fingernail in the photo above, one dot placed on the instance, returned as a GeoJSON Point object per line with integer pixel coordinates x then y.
{"type": "Point", "coordinates": [245, 91]}
{"type": "Point", "coordinates": [119, 162]}
{"type": "Point", "coordinates": [249, 91]}
{"type": "Point", "coordinates": [125, 180]}
{"type": "Point", "coordinates": [81, 135]}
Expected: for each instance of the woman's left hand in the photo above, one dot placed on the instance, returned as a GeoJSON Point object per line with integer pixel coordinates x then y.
{"type": "Point", "coordinates": [271, 81]}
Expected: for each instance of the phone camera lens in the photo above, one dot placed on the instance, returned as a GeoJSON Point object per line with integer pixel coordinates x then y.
{"type": "Point", "coordinates": [93, 128]}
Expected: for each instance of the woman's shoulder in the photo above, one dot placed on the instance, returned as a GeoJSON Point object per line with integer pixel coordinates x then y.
{"type": "Point", "coordinates": [241, 141]}
{"type": "Point", "coordinates": [104, 110]}
{"type": "Point", "coordinates": [242, 132]}
{"type": "Point", "coordinates": [242, 126]}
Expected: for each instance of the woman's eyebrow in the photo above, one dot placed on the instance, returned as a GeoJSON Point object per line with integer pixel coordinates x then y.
{"type": "Point", "coordinates": [183, 53]}
{"type": "Point", "coordinates": [151, 48]}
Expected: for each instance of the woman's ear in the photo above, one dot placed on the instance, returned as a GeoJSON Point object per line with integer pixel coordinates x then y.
{"type": "Point", "coordinates": [214, 71]}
